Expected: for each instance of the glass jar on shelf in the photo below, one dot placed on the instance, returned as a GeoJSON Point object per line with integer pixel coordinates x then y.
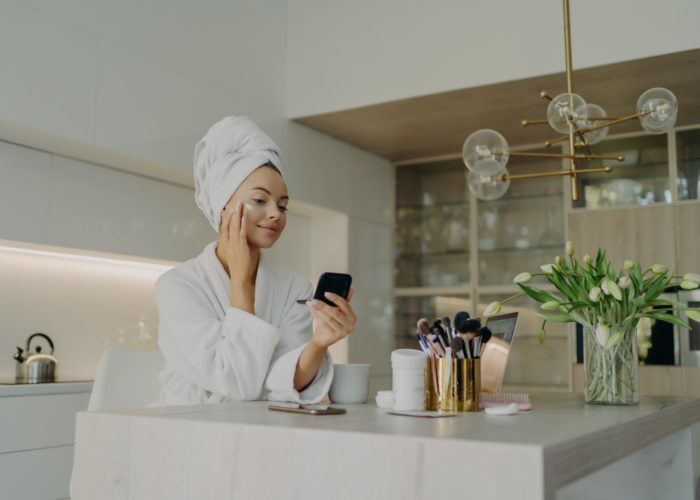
{"type": "Point", "coordinates": [688, 159]}
{"type": "Point", "coordinates": [640, 179]}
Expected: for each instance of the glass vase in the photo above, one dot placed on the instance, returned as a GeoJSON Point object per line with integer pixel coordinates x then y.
{"type": "Point", "coordinates": [611, 371]}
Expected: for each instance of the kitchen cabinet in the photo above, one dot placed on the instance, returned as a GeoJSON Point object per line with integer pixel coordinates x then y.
{"type": "Point", "coordinates": [646, 234]}
{"type": "Point", "coordinates": [50, 199]}
{"type": "Point", "coordinates": [688, 237]}
{"type": "Point", "coordinates": [36, 444]}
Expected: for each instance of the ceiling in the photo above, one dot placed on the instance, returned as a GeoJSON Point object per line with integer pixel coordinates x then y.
{"type": "Point", "coordinates": [438, 124]}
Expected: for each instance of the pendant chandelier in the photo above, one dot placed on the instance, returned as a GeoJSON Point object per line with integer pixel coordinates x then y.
{"type": "Point", "coordinates": [486, 151]}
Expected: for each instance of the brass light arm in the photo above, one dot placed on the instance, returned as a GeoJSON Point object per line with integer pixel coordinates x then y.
{"type": "Point", "coordinates": [525, 123]}
{"type": "Point", "coordinates": [607, 169]}
{"type": "Point", "coordinates": [596, 127]}
{"type": "Point", "coordinates": [559, 155]}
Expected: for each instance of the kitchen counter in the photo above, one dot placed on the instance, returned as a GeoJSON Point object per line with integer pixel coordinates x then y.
{"type": "Point", "coordinates": [8, 388]}
{"type": "Point", "coordinates": [560, 448]}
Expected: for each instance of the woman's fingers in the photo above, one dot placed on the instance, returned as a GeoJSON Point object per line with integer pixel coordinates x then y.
{"type": "Point", "coordinates": [334, 316]}
{"type": "Point", "coordinates": [342, 303]}
{"type": "Point", "coordinates": [324, 316]}
{"type": "Point", "coordinates": [241, 229]}
{"type": "Point", "coordinates": [237, 231]}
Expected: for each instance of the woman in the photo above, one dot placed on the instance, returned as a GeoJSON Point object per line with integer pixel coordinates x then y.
{"type": "Point", "coordinates": [229, 325]}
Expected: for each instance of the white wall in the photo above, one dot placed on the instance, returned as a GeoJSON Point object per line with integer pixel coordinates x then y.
{"type": "Point", "coordinates": [147, 79]}
{"type": "Point", "coordinates": [349, 54]}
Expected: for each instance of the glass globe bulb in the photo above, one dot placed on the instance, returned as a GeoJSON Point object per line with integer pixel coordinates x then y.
{"type": "Point", "coordinates": [564, 109]}
{"type": "Point", "coordinates": [483, 145]}
{"type": "Point", "coordinates": [595, 136]}
{"type": "Point", "coordinates": [659, 109]}
{"type": "Point", "coordinates": [488, 186]}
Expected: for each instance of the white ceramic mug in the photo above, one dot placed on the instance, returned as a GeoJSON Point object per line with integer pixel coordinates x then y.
{"type": "Point", "coordinates": [350, 383]}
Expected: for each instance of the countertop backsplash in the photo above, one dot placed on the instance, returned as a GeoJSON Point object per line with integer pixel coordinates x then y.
{"type": "Point", "coordinates": [84, 306]}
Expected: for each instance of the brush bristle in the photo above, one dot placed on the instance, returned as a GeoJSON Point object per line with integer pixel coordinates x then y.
{"type": "Point", "coordinates": [469, 326]}
{"type": "Point", "coordinates": [423, 326]}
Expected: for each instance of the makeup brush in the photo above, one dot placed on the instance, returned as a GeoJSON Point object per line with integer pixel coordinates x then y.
{"type": "Point", "coordinates": [423, 327]}
{"type": "Point", "coordinates": [457, 345]}
{"type": "Point", "coordinates": [460, 317]}
{"type": "Point", "coordinates": [469, 326]}
{"type": "Point", "coordinates": [485, 334]}
{"type": "Point", "coordinates": [447, 327]}
{"type": "Point", "coordinates": [440, 332]}
{"type": "Point", "coordinates": [481, 338]}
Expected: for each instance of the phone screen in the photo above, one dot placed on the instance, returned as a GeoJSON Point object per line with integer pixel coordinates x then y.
{"type": "Point", "coordinates": [338, 283]}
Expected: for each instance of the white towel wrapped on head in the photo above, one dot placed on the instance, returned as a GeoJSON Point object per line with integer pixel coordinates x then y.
{"type": "Point", "coordinates": [229, 152]}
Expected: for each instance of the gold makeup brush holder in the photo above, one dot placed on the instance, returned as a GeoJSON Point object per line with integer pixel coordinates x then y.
{"type": "Point", "coordinates": [458, 387]}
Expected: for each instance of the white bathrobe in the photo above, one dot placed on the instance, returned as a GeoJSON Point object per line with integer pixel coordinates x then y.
{"type": "Point", "coordinates": [215, 352]}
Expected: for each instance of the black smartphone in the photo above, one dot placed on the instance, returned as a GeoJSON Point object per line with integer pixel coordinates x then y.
{"type": "Point", "coordinates": [338, 283]}
{"type": "Point", "coordinates": [307, 409]}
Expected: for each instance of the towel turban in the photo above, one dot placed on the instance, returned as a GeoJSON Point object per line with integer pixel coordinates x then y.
{"type": "Point", "coordinates": [229, 152]}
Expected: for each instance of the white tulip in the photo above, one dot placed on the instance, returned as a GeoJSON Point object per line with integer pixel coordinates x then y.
{"type": "Point", "coordinates": [594, 294]}
{"type": "Point", "coordinates": [629, 265]}
{"type": "Point", "coordinates": [602, 334]}
{"type": "Point", "coordinates": [624, 282]}
{"type": "Point", "coordinates": [522, 278]}
{"type": "Point", "coordinates": [547, 268]}
{"type": "Point", "coordinates": [588, 259]}
{"type": "Point", "coordinates": [644, 326]}
{"type": "Point", "coordinates": [689, 285]}
{"type": "Point", "coordinates": [604, 285]}
{"type": "Point", "coordinates": [569, 248]}
{"type": "Point", "coordinates": [692, 277]}
{"type": "Point", "coordinates": [615, 290]}
{"type": "Point", "coordinates": [551, 305]}
{"type": "Point", "coordinates": [493, 308]}
{"type": "Point", "coordinates": [658, 269]}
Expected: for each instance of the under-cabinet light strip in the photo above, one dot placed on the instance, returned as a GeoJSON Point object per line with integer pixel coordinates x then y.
{"type": "Point", "coordinates": [89, 258]}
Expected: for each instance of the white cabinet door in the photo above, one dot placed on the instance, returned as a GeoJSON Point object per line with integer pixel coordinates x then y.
{"type": "Point", "coordinates": [24, 193]}
{"type": "Point", "coordinates": [36, 474]}
{"type": "Point", "coordinates": [32, 422]}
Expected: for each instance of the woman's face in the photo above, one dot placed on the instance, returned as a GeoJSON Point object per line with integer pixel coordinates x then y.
{"type": "Point", "coordinates": [266, 193]}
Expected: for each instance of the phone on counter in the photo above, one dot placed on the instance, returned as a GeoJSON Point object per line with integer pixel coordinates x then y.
{"type": "Point", "coordinates": [307, 409]}
{"type": "Point", "coordinates": [338, 283]}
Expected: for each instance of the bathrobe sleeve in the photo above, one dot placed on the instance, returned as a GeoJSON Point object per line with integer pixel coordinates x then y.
{"type": "Point", "coordinates": [228, 357]}
{"type": "Point", "coordinates": [297, 327]}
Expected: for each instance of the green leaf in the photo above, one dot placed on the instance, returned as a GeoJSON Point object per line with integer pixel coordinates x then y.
{"type": "Point", "coordinates": [538, 295]}
{"type": "Point", "coordinates": [556, 318]}
{"type": "Point", "coordinates": [636, 277]}
{"type": "Point", "coordinates": [614, 339]}
{"type": "Point", "coordinates": [670, 318]}
{"type": "Point", "coordinates": [599, 260]}
{"type": "Point", "coordinates": [611, 272]}
{"type": "Point", "coordinates": [693, 314]}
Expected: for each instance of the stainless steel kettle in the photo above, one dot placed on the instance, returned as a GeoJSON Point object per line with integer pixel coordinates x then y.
{"type": "Point", "coordinates": [36, 367]}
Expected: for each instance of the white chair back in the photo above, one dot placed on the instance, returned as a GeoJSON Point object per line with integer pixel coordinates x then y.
{"type": "Point", "coordinates": [126, 378]}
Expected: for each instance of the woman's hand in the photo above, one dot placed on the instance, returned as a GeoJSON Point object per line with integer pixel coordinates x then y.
{"type": "Point", "coordinates": [331, 324]}
{"type": "Point", "coordinates": [235, 252]}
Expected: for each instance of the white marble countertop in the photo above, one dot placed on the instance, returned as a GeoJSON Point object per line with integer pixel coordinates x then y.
{"type": "Point", "coordinates": [559, 441]}
{"type": "Point", "coordinates": [10, 389]}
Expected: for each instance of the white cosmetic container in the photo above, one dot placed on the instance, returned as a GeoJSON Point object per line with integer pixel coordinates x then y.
{"type": "Point", "coordinates": [408, 379]}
